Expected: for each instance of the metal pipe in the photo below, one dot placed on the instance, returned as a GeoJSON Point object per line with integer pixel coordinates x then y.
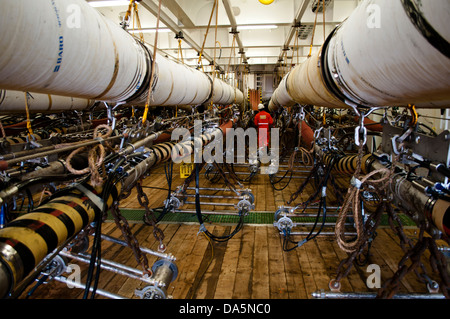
{"type": "Point", "coordinates": [397, 56]}
{"type": "Point", "coordinates": [312, 224]}
{"type": "Point", "coordinates": [143, 249]}
{"type": "Point", "coordinates": [209, 196]}
{"type": "Point", "coordinates": [370, 295]}
{"type": "Point", "coordinates": [311, 215]}
{"type": "Point", "coordinates": [206, 212]}
{"type": "Point", "coordinates": [5, 164]}
{"type": "Point", "coordinates": [83, 286]}
{"type": "Point", "coordinates": [308, 207]}
{"type": "Point", "coordinates": [212, 203]}
{"type": "Point", "coordinates": [321, 233]}
{"type": "Point", "coordinates": [164, 272]}
{"type": "Point", "coordinates": [209, 188]}
{"type": "Point", "coordinates": [111, 266]}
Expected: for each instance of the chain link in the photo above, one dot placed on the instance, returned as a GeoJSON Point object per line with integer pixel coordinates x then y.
{"type": "Point", "coordinates": [414, 253]}
{"type": "Point", "coordinates": [129, 237]}
{"type": "Point", "coordinates": [149, 216]}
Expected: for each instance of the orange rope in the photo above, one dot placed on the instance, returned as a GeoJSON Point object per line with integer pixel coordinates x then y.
{"type": "Point", "coordinates": [206, 34]}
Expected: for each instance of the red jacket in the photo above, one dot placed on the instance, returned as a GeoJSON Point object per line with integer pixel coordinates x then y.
{"type": "Point", "coordinates": [262, 121]}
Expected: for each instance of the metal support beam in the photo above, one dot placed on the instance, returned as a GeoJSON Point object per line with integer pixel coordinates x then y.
{"type": "Point", "coordinates": [178, 11]}
{"type": "Point", "coordinates": [298, 16]}
{"type": "Point", "coordinates": [174, 27]}
{"type": "Point", "coordinates": [230, 14]}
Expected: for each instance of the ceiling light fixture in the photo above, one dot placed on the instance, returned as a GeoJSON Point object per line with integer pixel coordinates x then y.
{"type": "Point", "coordinates": [112, 3]}
{"type": "Point", "coordinates": [257, 27]}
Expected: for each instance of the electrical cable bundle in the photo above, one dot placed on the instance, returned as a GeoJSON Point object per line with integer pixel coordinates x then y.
{"type": "Point", "coordinates": [113, 179]}
{"type": "Point", "coordinates": [247, 179]}
{"type": "Point", "coordinates": [200, 217]}
{"type": "Point", "coordinates": [322, 208]}
{"type": "Point", "coordinates": [271, 178]}
{"type": "Point", "coordinates": [168, 170]}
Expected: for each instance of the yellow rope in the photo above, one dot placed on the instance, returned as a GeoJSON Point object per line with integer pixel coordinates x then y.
{"type": "Point", "coordinates": [314, 31]}
{"type": "Point", "coordinates": [415, 116]}
{"type": "Point", "coordinates": [155, 48]}
{"type": "Point", "coordinates": [127, 15]}
{"type": "Point", "coordinates": [323, 10]}
{"type": "Point", "coordinates": [30, 130]}
{"type": "Point", "coordinates": [232, 53]}
{"type": "Point", "coordinates": [138, 22]}
{"type": "Point", "coordinates": [180, 51]}
{"type": "Point", "coordinates": [215, 46]}
{"type": "Point", "coordinates": [295, 48]}
{"type": "Point", "coordinates": [206, 34]}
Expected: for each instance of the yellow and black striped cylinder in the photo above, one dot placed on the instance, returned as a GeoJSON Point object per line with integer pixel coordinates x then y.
{"type": "Point", "coordinates": [28, 239]}
{"type": "Point", "coordinates": [346, 165]}
{"type": "Point", "coordinates": [18, 139]}
{"type": "Point", "coordinates": [163, 151]}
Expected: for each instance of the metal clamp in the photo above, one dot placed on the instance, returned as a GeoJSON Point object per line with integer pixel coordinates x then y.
{"type": "Point", "coordinates": [173, 203]}
{"type": "Point", "coordinates": [356, 182]}
{"type": "Point", "coordinates": [394, 145]}
{"type": "Point", "coordinates": [245, 205]}
{"type": "Point", "coordinates": [284, 223]}
{"type": "Point", "coordinates": [93, 197]}
{"type": "Point", "coordinates": [317, 133]}
{"type": "Point", "coordinates": [302, 114]}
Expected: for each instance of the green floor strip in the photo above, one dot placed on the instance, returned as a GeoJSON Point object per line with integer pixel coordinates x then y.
{"type": "Point", "coordinates": [252, 218]}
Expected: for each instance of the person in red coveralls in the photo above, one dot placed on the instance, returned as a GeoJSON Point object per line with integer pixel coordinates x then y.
{"type": "Point", "coordinates": [262, 121]}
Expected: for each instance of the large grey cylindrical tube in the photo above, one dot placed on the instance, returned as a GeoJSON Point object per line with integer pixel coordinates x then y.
{"type": "Point", "coordinates": [280, 96]}
{"type": "Point", "coordinates": [393, 53]}
{"type": "Point", "coordinates": [66, 47]}
{"type": "Point", "coordinates": [176, 84]}
{"type": "Point", "coordinates": [387, 53]}
{"type": "Point", "coordinates": [226, 94]}
{"type": "Point", "coordinates": [14, 102]}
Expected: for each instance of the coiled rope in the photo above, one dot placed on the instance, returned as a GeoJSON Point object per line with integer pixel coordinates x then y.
{"type": "Point", "coordinates": [96, 156]}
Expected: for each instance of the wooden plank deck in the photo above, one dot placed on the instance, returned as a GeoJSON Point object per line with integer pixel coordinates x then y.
{"type": "Point", "coordinates": [251, 265]}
